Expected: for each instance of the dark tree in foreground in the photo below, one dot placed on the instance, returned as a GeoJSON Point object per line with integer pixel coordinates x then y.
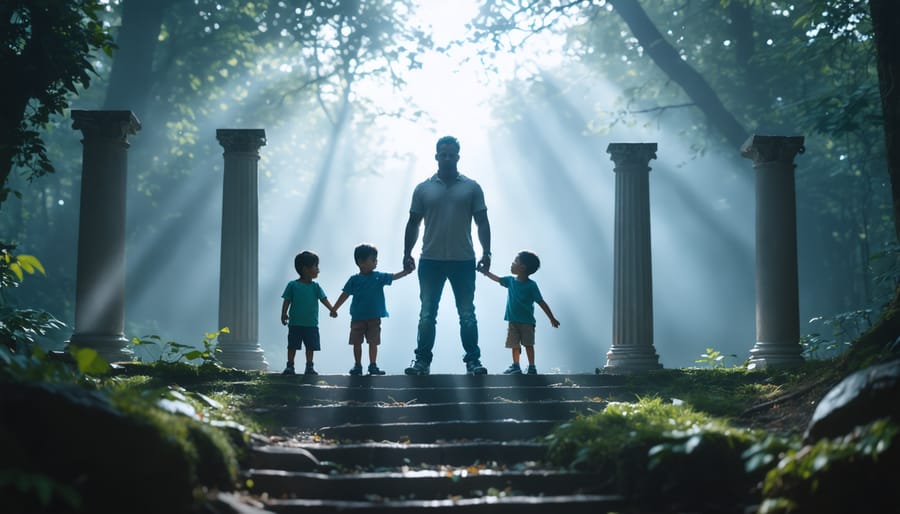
{"type": "Point", "coordinates": [886, 334]}
{"type": "Point", "coordinates": [45, 49]}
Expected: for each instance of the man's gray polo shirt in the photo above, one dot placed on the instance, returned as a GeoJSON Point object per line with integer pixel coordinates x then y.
{"type": "Point", "coordinates": [448, 211]}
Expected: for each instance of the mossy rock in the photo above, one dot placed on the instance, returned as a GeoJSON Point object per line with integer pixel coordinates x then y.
{"type": "Point", "coordinates": [80, 441]}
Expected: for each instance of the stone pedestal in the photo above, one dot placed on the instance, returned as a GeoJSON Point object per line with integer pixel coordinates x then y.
{"type": "Point", "coordinates": [632, 340]}
{"type": "Point", "coordinates": [100, 273]}
{"type": "Point", "coordinates": [239, 271]}
{"type": "Point", "coordinates": [777, 296]}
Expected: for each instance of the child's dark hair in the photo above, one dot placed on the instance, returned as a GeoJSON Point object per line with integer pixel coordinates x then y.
{"type": "Point", "coordinates": [305, 259]}
{"type": "Point", "coordinates": [363, 252]}
{"type": "Point", "coordinates": [529, 260]}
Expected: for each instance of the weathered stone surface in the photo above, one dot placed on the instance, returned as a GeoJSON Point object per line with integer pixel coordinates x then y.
{"type": "Point", "coordinates": [861, 398]}
{"type": "Point", "coordinates": [83, 443]}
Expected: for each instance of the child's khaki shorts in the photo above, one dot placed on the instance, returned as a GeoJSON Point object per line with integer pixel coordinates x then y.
{"type": "Point", "coordinates": [370, 329]}
{"type": "Point", "coordinates": [519, 334]}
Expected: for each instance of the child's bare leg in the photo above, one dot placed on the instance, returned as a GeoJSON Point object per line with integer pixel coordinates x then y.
{"type": "Point", "coordinates": [529, 352]}
{"type": "Point", "coordinates": [373, 353]}
{"type": "Point", "coordinates": [291, 354]}
{"type": "Point", "coordinates": [357, 354]}
{"type": "Point", "coordinates": [516, 353]}
{"type": "Point", "coordinates": [309, 356]}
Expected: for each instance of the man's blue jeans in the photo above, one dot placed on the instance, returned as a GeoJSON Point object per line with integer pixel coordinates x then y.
{"type": "Point", "coordinates": [432, 276]}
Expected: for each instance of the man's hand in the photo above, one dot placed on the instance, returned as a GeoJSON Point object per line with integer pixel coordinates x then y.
{"type": "Point", "coordinates": [409, 264]}
{"type": "Point", "coordinates": [484, 265]}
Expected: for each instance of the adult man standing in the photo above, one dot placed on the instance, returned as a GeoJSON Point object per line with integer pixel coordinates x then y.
{"type": "Point", "coordinates": [448, 202]}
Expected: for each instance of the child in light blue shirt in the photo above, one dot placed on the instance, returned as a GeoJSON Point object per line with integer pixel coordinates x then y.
{"type": "Point", "coordinates": [522, 294]}
{"type": "Point", "coordinates": [368, 306]}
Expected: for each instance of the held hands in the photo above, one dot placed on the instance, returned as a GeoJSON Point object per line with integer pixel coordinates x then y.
{"type": "Point", "coordinates": [484, 265]}
{"type": "Point", "coordinates": [332, 313]}
{"type": "Point", "coordinates": [409, 264]}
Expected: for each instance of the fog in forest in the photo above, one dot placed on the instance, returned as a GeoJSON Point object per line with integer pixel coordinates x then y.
{"type": "Point", "coordinates": [534, 126]}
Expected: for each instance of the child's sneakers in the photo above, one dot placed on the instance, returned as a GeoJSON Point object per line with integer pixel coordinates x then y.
{"type": "Point", "coordinates": [310, 370]}
{"type": "Point", "coordinates": [532, 370]}
{"type": "Point", "coordinates": [374, 369]}
{"type": "Point", "coordinates": [289, 370]}
{"type": "Point", "coordinates": [513, 369]}
{"type": "Point", "coordinates": [356, 370]}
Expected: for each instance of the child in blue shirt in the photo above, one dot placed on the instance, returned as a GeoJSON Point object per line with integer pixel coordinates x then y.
{"type": "Point", "coordinates": [300, 312]}
{"type": "Point", "coordinates": [522, 295]}
{"type": "Point", "coordinates": [367, 307]}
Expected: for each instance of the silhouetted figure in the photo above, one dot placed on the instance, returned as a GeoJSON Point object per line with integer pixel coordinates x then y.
{"type": "Point", "coordinates": [448, 202]}
{"type": "Point", "coordinates": [367, 307]}
{"type": "Point", "coordinates": [300, 311]}
{"type": "Point", "coordinates": [522, 294]}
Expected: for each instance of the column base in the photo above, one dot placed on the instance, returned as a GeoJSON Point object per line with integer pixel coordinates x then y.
{"type": "Point", "coordinates": [243, 355]}
{"type": "Point", "coordinates": [775, 355]}
{"type": "Point", "coordinates": [113, 348]}
{"type": "Point", "coordinates": [622, 360]}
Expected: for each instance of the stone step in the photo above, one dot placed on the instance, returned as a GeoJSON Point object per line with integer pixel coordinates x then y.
{"type": "Point", "coordinates": [370, 455]}
{"type": "Point", "coordinates": [430, 432]}
{"type": "Point", "coordinates": [570, 504]}
{"type": "Point", "coordinates": [292, 394]}
{"type": "Point", "coordinates": [406, 381]}
{"type": "Point", "coordinates": [313, 417]}
{"type": "Point", "coordinates": [424, 484]}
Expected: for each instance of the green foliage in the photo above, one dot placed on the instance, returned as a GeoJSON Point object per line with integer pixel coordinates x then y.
{"type": "Point", "coordinates": [48, 46]}
{"type": "Point", "coordinates": [833, 475]}
{"type": "Point", "coordinates": [845, 328]}
{"type": "Point", "coordinates": [659, 454]}
{"type": "Point", "coordinates": [20, 328]}
{"type": "Point", "coordinates": [173, 352]}
{"type": "Point", "coordinates": [713, 358]}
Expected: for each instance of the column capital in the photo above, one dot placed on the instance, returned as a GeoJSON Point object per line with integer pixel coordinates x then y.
{"type": "Point", "coordinates": [763, 149]}
{"type": "Point", "coordinates": [115, 125]}
{"type": "Point", "coordinates": [241, 140]}
{"type": "Point", "coordinates": [631, 154]}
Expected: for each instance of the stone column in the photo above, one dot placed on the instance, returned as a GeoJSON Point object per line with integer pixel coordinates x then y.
{"type": "Point", "coordinates": [239, 271]}
{"type": "Point", "coordinates": [777, 296]}
{"type": "Point", "coordinates": [100, 273]}
{"type": "Point", "coordinates": [632, 341]}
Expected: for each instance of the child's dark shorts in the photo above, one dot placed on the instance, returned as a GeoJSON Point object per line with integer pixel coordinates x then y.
{"type": "Point", "coordinates": [307, 335]}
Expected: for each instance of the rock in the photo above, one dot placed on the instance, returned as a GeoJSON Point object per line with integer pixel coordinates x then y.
{"type": "Point", "coordinates": [859, 399]}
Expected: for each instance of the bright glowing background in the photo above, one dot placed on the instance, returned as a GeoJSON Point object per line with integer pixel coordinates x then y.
{"type": "Point", "coordinates": [548, 187]}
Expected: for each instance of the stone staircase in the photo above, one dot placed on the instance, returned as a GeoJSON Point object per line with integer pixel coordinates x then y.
{"type": "Point", "coordinates": [398, 444]}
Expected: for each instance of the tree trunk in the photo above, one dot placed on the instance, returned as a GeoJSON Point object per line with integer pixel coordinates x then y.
{"type": "Point", "coordinates": [694, 85]}
{"type": "Point", "coordinates": [886, 332]}
{"type": "Point", "coordinates": [131, 79]}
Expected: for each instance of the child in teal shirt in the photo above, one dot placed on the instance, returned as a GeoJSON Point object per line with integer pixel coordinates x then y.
{"type": "Point", "coordinates": [301, 312]}
{"type": "Point", "coordinates": [522, 295]}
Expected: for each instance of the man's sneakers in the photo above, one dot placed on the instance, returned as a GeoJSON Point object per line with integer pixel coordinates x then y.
{"type": "Point", "coordinates": [418, 368]}
{"type": "Point", "coordinates": [289, 370]}
{"type": "Point", "coordinates": [356, 370]}
{"type": "Point", "coordinates": [475, 368]}
{"type": "Point", "coordinates": [513, 369]}
{"type": "Point", "coordinates": [374, 369]}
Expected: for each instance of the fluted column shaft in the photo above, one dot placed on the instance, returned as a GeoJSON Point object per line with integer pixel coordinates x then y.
{"type": "Point", "coordinates": [100, 272]}
{"type": "Point", "coordinates": [239, 270]}
{"type": "Point", "coordinates": [632, 340]}
{"type": "Point", "coordinates": [777, 295]}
